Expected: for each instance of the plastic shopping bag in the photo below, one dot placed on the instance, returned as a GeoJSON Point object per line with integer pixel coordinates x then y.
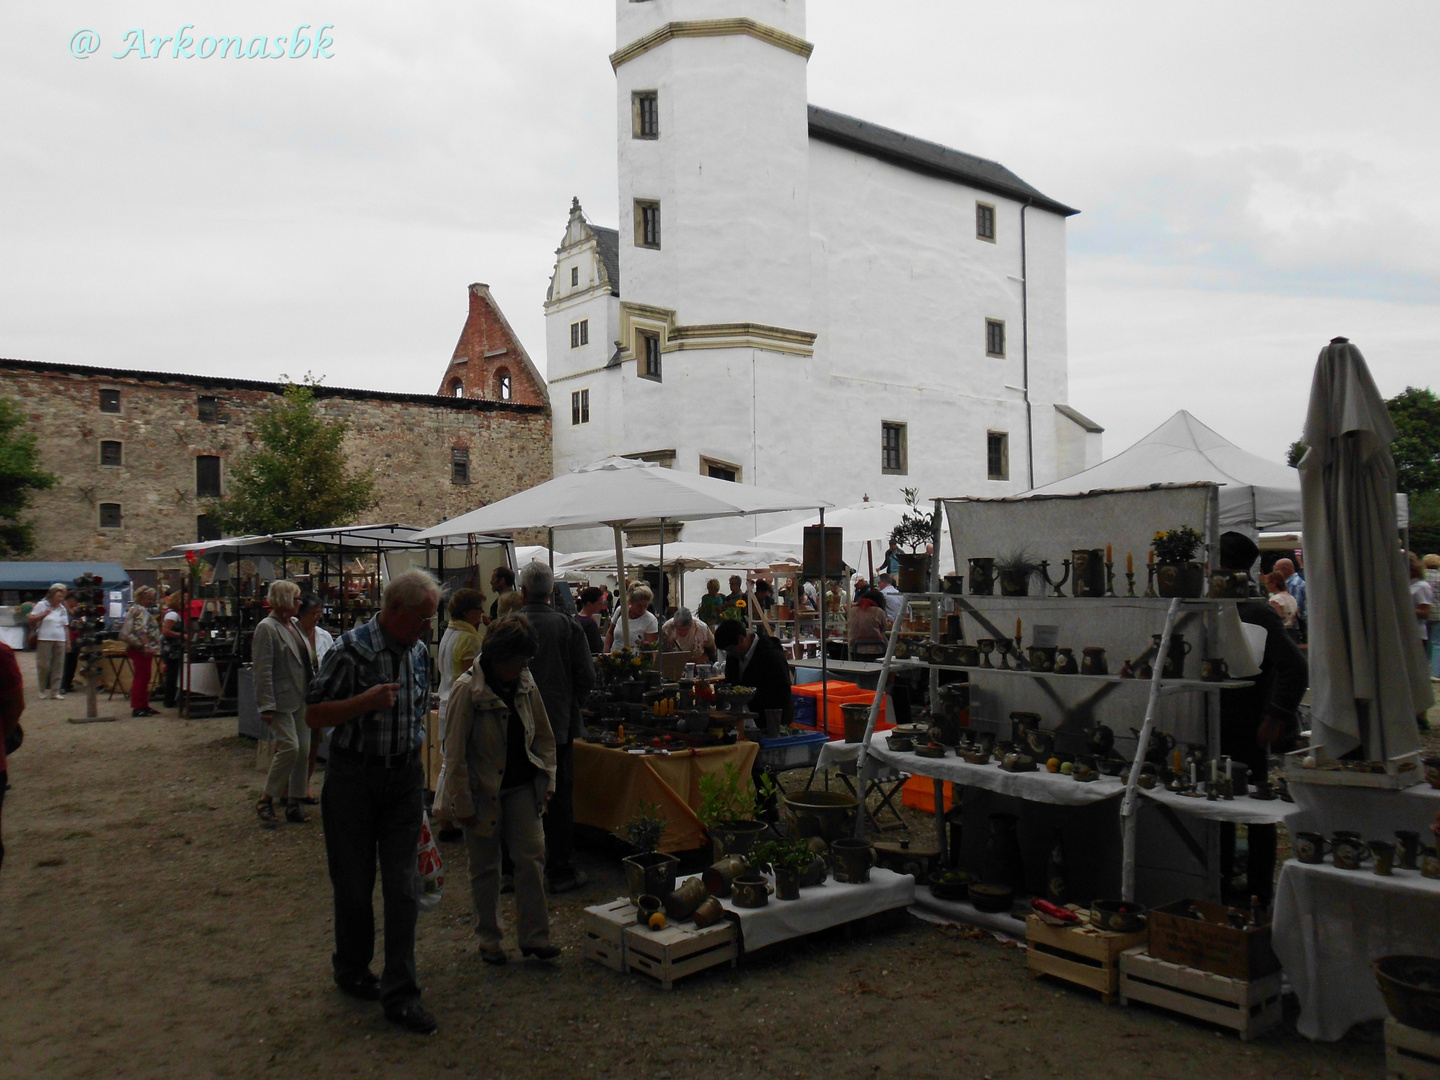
{"type": "Point", "coordinates": [429, 869]}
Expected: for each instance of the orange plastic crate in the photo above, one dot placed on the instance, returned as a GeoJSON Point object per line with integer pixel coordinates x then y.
{"type": "Point", "coordinates": [919, 794]}
{"type": "Point", "coordinates": [835, 719]}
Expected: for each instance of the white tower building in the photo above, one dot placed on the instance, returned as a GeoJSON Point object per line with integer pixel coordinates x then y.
{"type": "Point", "coordinates": [798, 299]}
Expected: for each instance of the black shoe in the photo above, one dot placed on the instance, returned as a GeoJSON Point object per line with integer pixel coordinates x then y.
{"type": "Point", "coordinates": [576, 879]}
{"type": "Point", "coordinates": [412, 1017]}
{"type": "Point", "coordinates": [295, 816]}
{"type": "Point", "coordinates": [366, 987]}
{"type": "Point", "coordinates": [494, 956]}
{"type": "Point", "coordinates": [542, 952]}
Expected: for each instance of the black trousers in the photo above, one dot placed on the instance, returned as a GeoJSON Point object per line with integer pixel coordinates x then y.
{"type": "Point", "coordinates": [67, 677]}
{"type": "Point", "coordinates": [559, 816]}
{"type": "Point", "coordinates": [172, 679]}
{"type": "Point", "coordinates": [373, 812]}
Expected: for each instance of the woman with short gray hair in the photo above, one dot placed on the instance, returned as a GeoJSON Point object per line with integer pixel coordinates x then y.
{"type": "Point", "coordinates": [282, 668]}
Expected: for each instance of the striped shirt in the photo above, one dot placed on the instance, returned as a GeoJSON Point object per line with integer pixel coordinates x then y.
{"type": "Point", "coordinates": [365, 657]}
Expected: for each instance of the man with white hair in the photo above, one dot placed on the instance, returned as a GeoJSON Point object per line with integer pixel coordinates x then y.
{"type": "Point", "coordinates": [374, 690]}
{"type": "Point", "coordinates": [564, 671]}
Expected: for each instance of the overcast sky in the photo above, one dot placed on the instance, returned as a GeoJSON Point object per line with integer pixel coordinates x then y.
{"type": "Point", "coordinates": [1254, 179]}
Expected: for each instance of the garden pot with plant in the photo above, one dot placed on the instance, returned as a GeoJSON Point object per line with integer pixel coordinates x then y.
{"type": "Point", "coordinates": [727, 809]}
{"type": "Point", "coordinates": [915, 532]}
{"type": "Point", "coordinates": [648, 870]}
{"type": "Point", "coordinates": [789, 861]}
{"type": "Point", "coordinates": [1015, 570]}
{"type": "Point", "coordinates": [1177, 573]}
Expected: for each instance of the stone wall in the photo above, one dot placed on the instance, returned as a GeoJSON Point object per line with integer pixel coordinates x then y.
{"type": "Point", "coordinates": [408, 439]}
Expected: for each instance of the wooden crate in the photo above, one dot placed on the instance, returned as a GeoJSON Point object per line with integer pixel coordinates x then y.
{"type": "Point", "coordinates": [1249, 1008]}
{"type": "Point", "coordinates": [1212, 945]}
{"type": "Point", "coordinates": [1082, 955]}
{"type": "Point", "coordinates": [677, 951]}
{"type": "Point", "coordinates": [604, 932]}
{"type": "Point", "coordinates": [1411, 1054]}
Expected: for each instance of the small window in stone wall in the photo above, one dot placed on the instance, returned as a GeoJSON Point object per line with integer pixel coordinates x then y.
{"type": "Point", "coordinates": [110, 516]}
{"type": "Point", "coordinates": [207, 477]}
{"type": "Point", "coordinates": [574, 276]}
{"type": "Point", "coordinates": [647, 223]}
{"type": "Point", "coordinates": [997, 455]}
{"type": "Point", "coordinates": [994, 337]}
{"type": "Point", "coordinates": [579, 333]}
{"type": "Point", "coordinates": [503, 388]}
{"type": "Point", "coordinates": [209, 409]}
{"type": "Point", "coordinates": [459, 465]}
{"type": "Point", "coordinates": [457, 388]}
{"type": "Point", "coordinates": [111, 453]}
{"type": "Point", "coordinates": [109, 400]}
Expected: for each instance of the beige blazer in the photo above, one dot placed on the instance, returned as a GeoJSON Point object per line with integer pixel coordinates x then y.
{"type": "Point", "coordinates": [282, 669]}
{"type": "Point", "coordinates": [476, 724]}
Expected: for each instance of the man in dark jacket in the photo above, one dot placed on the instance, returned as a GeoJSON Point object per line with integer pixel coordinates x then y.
{"type": "Point", "coordinates": [1261, 719]}
{"type": "Point", "coordinates": [755, 659]}
{"type": "Point", "coordinates": [565, 672]}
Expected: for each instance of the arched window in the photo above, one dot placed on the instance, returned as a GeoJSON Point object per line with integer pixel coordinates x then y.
{"type": "Point", "coordinates": [502, 384]}
{"type": "Point", "coordinates": [457, 388]}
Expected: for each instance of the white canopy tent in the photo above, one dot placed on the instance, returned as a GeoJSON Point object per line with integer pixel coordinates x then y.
{"type": "Point", "coordinates": [1256, 495]}
{"type": "Point", "coordinates": [867, 527]}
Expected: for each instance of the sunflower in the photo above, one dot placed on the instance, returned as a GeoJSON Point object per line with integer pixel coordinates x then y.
{"type": "Point", "coordinates": [740, 603]}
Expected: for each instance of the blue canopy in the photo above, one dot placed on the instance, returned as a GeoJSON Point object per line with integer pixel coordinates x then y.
{"type": "Point", "coordinates": [39, 576]}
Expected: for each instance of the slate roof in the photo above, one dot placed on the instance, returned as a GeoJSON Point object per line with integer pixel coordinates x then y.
{"type": "Point", "coordinates": [1078, 417]}
{"type": "Point", "coordinates": [926, 157]}
{"type": "Point", "coordinates": [607, 242]}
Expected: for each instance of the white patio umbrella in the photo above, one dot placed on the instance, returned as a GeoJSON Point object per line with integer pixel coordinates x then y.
{"type": "Point", "coordinates": [1368, 678]}
{"type": "Point", "coordinates": [618, 492]}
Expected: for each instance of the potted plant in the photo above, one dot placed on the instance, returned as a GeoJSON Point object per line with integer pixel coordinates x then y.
{"type": "Point", "coordinates": [1178, 574]}
{"type": "Point", "coordinates": [789, 861]}
{"type": "Point", "coordinates": [1015, 570]}
{"type": "Point", "coordinates": [915, 533]}
{"type": "Point", "coordinates": [648, 871]}
{"type": "Point", "coordinates": [727, 810]}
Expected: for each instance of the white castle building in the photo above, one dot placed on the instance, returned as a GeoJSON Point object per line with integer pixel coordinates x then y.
{"type": "Point", "coordinates": [799, 299]}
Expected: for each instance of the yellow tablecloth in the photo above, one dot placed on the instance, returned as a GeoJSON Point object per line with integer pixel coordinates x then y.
{"type": "Point", "coordinates": [611, 784]}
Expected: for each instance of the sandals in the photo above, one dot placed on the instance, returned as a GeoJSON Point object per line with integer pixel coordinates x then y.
{"type": "Point", "coordinates": [294, 815]}
{"type": "Point", "coordinates": [265, 810]}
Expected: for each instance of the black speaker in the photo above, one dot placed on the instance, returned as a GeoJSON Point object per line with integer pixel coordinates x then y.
{"type": "Point", "coordinates": [829, 535]}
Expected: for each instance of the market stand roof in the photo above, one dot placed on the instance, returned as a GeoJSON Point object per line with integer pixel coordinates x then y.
{"type": "Point", "coordinates": [30, 576]}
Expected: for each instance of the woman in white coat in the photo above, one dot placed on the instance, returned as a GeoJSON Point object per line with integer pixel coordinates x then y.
{"type": "Point", "coordinates": [282, 672]}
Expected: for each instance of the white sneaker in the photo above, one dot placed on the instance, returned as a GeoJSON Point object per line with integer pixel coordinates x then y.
{"type": "Point", "coordinates": [59, 693]}
{"type": "Point", "coordinates": [44, 695]}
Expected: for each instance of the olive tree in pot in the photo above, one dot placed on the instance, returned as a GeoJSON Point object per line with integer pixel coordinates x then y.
{"type": "Point", "coordinates": [648, 871]}
{"type": "Point", "coordinates": [1178, 574]}
{"type": "Point", "coordinates": [915, 533]}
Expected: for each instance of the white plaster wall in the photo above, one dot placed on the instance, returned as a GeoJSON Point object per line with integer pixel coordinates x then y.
{"type": "Point", "coordinates": [636, 18]}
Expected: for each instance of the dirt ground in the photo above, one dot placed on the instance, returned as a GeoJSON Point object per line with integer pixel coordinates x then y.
{"type": "Point", "coordinates": [152, 929]}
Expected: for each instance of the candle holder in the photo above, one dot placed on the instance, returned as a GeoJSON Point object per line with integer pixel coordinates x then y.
{"type": "Point", "coordinates": [1056, 585]}
{"type": "Point", "coordinates": [1150, 584]}
{"type": "Point", "coordinates": [986, 646]}
{"type": "Point", "coordinates": [1129, 583]}
{"type": "Point", "coordinates": [1109, 579]}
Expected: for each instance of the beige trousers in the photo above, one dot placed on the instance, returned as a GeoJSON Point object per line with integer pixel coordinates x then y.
{"type": "Point", "coordinates": [290, 767]}
{"type": "Point", "coordinates": [49, 664]}
{"type": "Point", "coordinates": [520, 828]}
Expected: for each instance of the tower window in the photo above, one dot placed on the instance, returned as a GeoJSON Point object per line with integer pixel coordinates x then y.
{"type": "Point", "coordinates": [994, 337]}
{"type": "Point", "coordinates": [997, 455]}
{"type": "Point", "coordinates": [649, 351]}
{"type": "Point", "coordinates": [893, 448]}
{"type": "Point", "coordinates": [209, 410]}
{"type": "Point", "coordinates": [207, 477]}
{"type": "Point", "coordinates": [110, 401]}
{"type": "Point", "coordinates": [579, 407]}
{"type": "Point", "coordinates": [457, 388]}
{"type": "Point", "coordinates": [110, 516]}
{"type": "Point", "coordinates": [110, 453]}
{"type": "Point", "coordinates": [985, 221]}
{"type": "Point", "coordinates": [579, 333]}
{"type": "Point", "coordinates": [574, 276]}
{"type": "Point", "coordinates": [502, 384]}
{"type": "Point", "coordinates": [460, 465]}
{"type": "Point", "coordinates": [647, 223]}
{"type": "Point", "coordinates": [645, 114]}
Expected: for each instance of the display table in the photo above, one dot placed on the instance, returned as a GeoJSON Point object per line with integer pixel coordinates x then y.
{"type": "Point", "coordinates": [1241, 811]}
{"type": "Point", "coordinates": [1330, 925]}
{"type": "Point", "coordinates": [819, 908]}
{"type": "Point", "coordinates": [1375, 813]}
{"type": "Point", "coordinates": [611, 784]}
{"type": "Point", "coordinates": [1039, 786]}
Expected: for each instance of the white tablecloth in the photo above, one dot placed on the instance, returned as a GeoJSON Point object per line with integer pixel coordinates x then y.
{"type": "Point", "coordinates": [821, 907]}
{"type": "Point", "coordinates": [1039, 786]}
{"type": "Point", "coordinates": [1331, 924]}
{"type": "Point", "coordinates": [1375, 813]}
{"type": "Point", "coordinates": [1242, 811]}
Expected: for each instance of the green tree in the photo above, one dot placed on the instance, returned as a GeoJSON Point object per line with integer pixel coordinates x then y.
{"type": "Point", "coordinates": [20, 477]}
{"type": "Point", "coordinates": [296, 477]}
{"type": "Point", "coordinates": [1295, 453]}
{"type": "Point", "coordinates": [1416, 414]}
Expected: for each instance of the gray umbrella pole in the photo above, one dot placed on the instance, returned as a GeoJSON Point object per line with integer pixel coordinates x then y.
{"type": "Point", "coordinates": [550, 545]}
{"type": "Point", "coordinates": [664, 593]}
{"type": "Point", "coordinates": [624, 592]}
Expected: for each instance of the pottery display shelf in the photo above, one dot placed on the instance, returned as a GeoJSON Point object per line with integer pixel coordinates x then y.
{"type": "Point", "coordinates": [1242, 810]}
{"type": "Point", "coordinates": [1039, 786]}
{"type": "Point", "coordinates": [1167, 686]}
{"type": "Point", "coordinates": [820, 907]}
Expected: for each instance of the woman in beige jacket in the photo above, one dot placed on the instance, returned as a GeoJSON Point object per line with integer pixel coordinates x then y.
{"type": "Point", "coordinates": [498, 773]}
{"type": "Point", "coordinates": [282, 670]}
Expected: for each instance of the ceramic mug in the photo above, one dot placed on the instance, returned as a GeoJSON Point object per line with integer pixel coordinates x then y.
{"type": "Point", "coordinates": [1350, 851]}
{"type": "Point", "coordinates": [1310, 847]}
{"type": "Point", "coordinates": [1384, 852]}
{"type": "Point", "coordinates": [1407, 849]}
{"type": "Point", "coordinates": [1214, 669]}
{"type": "Point", "coordinates": [966, 655]}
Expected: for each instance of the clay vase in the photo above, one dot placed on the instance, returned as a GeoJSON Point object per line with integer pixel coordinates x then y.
{"type": "Point", "coordinates": [681, 903]}
{"type": "Point", "coordinates": [787, 885]}
{"type": "Point", "coordinates": [1093, 662]}
{"type": "Point", "coordinates": [1003, 864]}
{"type": "Point", "coordinates": [853, 859]}
{"type": "Point", "coordinates": [1087, 572]}
{"type": "Point", "coordinates": [1185, 579]}
{"type": "Point", "coordinates": [708, 913]}
{"type": "Point", "coordinates": [982, 577]}
{"type": "Point", "coordinates": [750, 891]}
{"type": "Point", "coordinates": [1065, 662]}
{"type": "Point", "coordinates": [718, 878]}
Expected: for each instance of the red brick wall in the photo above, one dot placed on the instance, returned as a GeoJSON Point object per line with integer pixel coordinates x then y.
{"type": "Point", "coordinates": [488, 347]}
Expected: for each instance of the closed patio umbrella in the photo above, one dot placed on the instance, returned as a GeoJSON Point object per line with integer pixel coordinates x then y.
{"type": "Point", "coordinates": [1368, 678]}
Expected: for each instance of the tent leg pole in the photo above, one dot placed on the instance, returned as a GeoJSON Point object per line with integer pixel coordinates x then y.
{"type": "Point", "coordinates": [624, 592]}
{"type": "Point", "coordinates": [861, 817]}
{"type": "Point", "coordinates": [1127, 806]}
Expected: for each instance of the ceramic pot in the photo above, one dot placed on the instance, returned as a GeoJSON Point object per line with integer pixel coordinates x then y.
{"type": "Point", "coordinates": [718, 877]}
{"type": "Point", "coordinates": [1310, 847]}
{"type": "Point", "coordinates": [1042, 658]}
{"type": "Point", "coordinates": [900, 744]}
{"type": "Point", "coordinates": [826, 814]}
{"type": "Point", "coordinates": [856, 715]}
{"type": "Point", "coordinates": [650, 872]}
{"type": "Point", "coordinates": [992, 898]}
{"type": "Point", "coordinates": [708, 913]}
{"type": "Point", "coordinates": [954, 585]}
{"type": "Point", "coordinates": [1087, 572]}
{"type": "Point", "coordinates": [1407, 849]}
{"type": "Point", "coordinates": [681, 903]}
{"type": "Point", "coordinates": [1015, 582]}
{"type": "Point", "coordinates": [816, 873]}
{"type": "Point", "coordinates": [1350, 852]}
{"type": "Point", "coordinates": [646, 906]}
{"type": "Point", "coordinates": [1118, 916]}
{"type": "Point", "coordinates": [1384, 852]}
{"type": "Point", "coordinates": [1174, 666]}
{"type": "Point", "coordinates": [735, 837]}
{"type": "Point", "coordinates": [965, 655]}
{"type": "Point", "coordinates": [1409, 986]}
{"type": "Point", "coordinates": [949, 890]}
{"type": "Point", "coordinates": [1065, 663]}
{"type": "Point", "coordinates": [787, 885]}
{"type": "Point", "coordinates": [1003, 864]}
{"type": "Point", "coordinates": [1093, 661]}
{"type": "Point", "coordinates": [750, 891]}
{"type": "Point", "coordinates": [1214, 669]}
{"type": "Point", "coordinates": [982, 577]}
{"type": "Point", "coordinates": [1185, 579]}
{"type": "Point", "coordinates": [914, 575]}
{"type": "Point", "coordinates": [1229, 584]}
{"type": "Point", "coordinates": [853, 859]}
